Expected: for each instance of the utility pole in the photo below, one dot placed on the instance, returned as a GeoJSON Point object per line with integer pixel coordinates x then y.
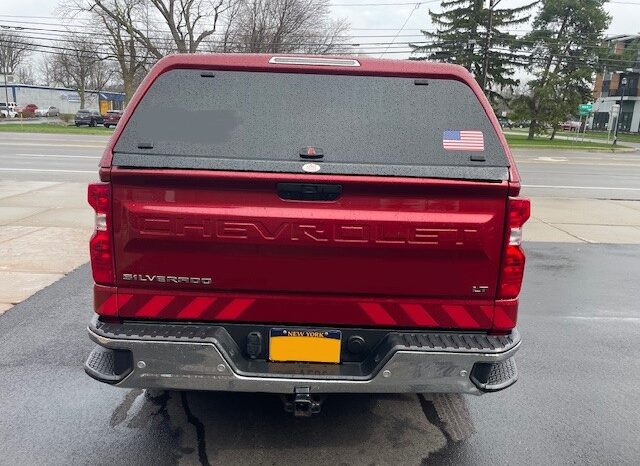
{"type": "Point", "coordinates": [6, 89]}
{"type": "Point", "coordinates": [623, 83]}
{"type": "Point", "coordinates": [485, 66]}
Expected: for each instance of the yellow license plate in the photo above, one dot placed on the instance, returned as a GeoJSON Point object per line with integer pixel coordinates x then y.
{"type": "Point", "coordinates": [289, 345]}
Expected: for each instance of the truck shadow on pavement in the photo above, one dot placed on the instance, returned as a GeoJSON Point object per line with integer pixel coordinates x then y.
{"type": "Point", "coordinates": [238, 428]}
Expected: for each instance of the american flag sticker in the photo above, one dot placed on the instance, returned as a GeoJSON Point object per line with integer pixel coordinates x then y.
{"type": "Point", "coordinates": [469, 140]}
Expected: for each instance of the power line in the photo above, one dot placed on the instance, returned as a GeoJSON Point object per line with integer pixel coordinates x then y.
{"type": "Point", "coordinates": [38, 49]}
{"type": "Point", "coordinates": [397, 49]}
{"type": "Point", "coordinates": [87, 20]}
{"type": "Point", "coordinates": [42, 31]}
{"type": "Point", "coordinates": [9, 24]}
{"type": "Point", "coordinates": [351, 47]}
{"type": "Point", "coordinates": [63, 32]}
{"type": "Point", "coordinates": [382, 4]}
{"type": "Point", "coordinates": [73, 41]}
{"type": "Point", "coordinates": [417, 5]}
{"type": "Point", "coordinates": [43, 34]}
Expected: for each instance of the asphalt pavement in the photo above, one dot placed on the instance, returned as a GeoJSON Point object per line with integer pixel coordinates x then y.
{"type": "Point", "coordinates": [577, 400]}
{"type": "Point", "coordinates": [545, 172]}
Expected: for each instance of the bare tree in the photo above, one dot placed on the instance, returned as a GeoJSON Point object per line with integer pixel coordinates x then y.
{"type": "Point", "coordinates": [188, 23]}
{"type": "Point", "coordinates": [280, 26]}
{"type": "Point", "coordinates": [132, 59]}
{"type": "Point", "coordinates": [331, 38]}
{"type": "Point", "coordinates": [228, 18]}
{"type": "Point", "coordinates": [45, 70]}
{"type": "Point", "coordinates": [101, 74]}
{"type": "Point", "coordinates": [76, 66]}
{"type": "Point", "coordinates": [189, 26]}
{"type": "Point", "coordinates": [14, 49]}
{"type": "Point", "coordinates": [24, 73]}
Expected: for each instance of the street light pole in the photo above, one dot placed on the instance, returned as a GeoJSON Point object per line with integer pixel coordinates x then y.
{"type": "Point", "coordinates": [623, 82]}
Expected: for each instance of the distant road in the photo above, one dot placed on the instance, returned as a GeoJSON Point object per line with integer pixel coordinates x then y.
{"type": "Point", "coordinates": [545, 172]}
{"type": "Point", "coordinates": [571, 173]}
{"type": "Point", "coordinates": [50, 157]}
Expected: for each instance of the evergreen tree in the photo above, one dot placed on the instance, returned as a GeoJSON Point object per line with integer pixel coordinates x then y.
{"type": "Point", "coordinates": [462, 37]}
{"type": "Point", "coordinates": [565, 50]}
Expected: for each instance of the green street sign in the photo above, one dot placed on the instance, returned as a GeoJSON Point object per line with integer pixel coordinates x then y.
{"type": "Point", "coordinates": [585, 109]}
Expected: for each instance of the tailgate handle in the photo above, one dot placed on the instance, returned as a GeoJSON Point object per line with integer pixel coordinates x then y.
{"type": "Point", "coordinates": [309, 192]}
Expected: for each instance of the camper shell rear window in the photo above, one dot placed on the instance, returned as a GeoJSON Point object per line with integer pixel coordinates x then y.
{"type": "Point", "coordinates": [263, 121]}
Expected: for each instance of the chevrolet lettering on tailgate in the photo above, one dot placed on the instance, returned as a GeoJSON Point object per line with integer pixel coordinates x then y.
{"type": "Point", "coordinates": [205, 228]}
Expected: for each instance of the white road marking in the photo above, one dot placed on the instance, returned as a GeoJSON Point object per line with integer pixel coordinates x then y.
{"type": "Point", "coordinates": [604, 188]}
{"type": "Point", "coordinates": [552, 159]}
{"type": "Point", "coordinates": [605, 318]}
{"type": "Point", "coordinates": [93, 157]}
{"type": "Point", "coordinates": [569, 162]}
{"type": "Point", "coordinates": [46, 170]}
{"type": "Point", "coordinates": [102, 146]}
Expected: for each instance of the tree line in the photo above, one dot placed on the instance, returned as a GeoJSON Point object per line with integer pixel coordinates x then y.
{"type": "Point", "coordinates": [564, 44]}
{"type": "Point", "coordinates": [560, 55]}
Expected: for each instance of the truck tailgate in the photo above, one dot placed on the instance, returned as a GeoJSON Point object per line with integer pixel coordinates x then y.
{"type": "Point", "coordinates": [203, 232]}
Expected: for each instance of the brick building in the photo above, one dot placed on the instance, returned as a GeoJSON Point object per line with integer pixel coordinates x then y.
{"type": "Point", "coordinates": [619, 85]}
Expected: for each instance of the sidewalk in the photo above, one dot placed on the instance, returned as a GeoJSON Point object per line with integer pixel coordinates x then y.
{"type": "Point", "coordinates": [44, 232]}
{"type": "Point", "coordinates": [583, 221]}
{"type": "Point", "coordinates": [45, 228]}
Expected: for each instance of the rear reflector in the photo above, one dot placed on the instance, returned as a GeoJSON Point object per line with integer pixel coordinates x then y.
{"type": "Point", "coordinates": [105, 301]}
{"type": "Point", "coordinates": [505, 316]}
{"type": "Point", "coordinates": [101, 245]}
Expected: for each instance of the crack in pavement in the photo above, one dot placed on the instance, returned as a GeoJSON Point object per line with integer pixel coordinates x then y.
{"type": "Point", "coordinates": [200, 431]}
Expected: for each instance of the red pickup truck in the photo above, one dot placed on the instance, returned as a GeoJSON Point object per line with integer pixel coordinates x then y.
{"type": "Point", "coordinates": [304, 226]}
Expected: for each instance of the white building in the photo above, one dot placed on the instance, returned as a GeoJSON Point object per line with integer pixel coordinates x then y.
{"type": "Point", "coordinates": [67, 100]}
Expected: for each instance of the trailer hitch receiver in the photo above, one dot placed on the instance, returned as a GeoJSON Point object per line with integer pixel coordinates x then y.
{"type": "Point", "coordinates": [302, 403]}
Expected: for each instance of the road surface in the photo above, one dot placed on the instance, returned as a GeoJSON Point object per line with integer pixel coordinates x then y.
{"type": "Point", "coordinates": [553, 173]}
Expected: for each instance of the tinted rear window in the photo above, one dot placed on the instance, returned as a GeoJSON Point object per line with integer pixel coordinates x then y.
{"type": "Point", "coordinates": [231, 120]}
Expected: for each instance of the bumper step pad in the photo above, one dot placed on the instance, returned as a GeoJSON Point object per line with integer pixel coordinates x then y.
{"type": "Point", "coordinates": [491, 377]}
{"type": "Point", "coordinates": [107, 365]}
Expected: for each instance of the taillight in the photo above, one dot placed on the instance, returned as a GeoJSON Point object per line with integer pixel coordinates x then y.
{"type": "Point", "coordinates": [513, 259]}
{"type": "Point", "coordinates": [101, 245]}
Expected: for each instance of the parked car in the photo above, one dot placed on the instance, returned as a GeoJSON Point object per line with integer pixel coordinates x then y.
{"type": "Point", "coordinates": [29, 108]}
{"type": "Point", "coordinates": [8, 110]}
{"type": "Point", "coordinates": [293, 254]}
{"type": "Point", "coordinates": [570, 125]}
{"type": "Point", "coordinates": [112, 118]}
{"type": "Point", "coordinates": [88, 117]}
{"type": "Point", "coordinates": [50, 111]}
{"type": "Point", "coordinates": [505, 122]}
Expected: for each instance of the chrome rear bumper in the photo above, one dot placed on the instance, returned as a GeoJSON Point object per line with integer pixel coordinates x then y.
{"type": "Point", "coordinates": [197, 357]}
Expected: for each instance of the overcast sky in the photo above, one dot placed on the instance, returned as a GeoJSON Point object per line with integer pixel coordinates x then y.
{"type": "Point", "coordinates": [365, 20]}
